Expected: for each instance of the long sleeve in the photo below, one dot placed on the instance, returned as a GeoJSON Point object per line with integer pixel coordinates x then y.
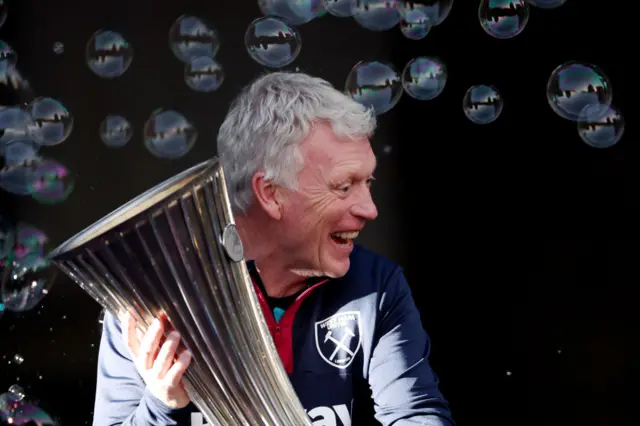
{"type": "Point", "coordinates": [121, 396]}
{"type": "Point", "coordinates": [404, 387]}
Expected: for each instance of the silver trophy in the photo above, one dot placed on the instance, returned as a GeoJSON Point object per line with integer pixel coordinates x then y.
{"type": "Point", "coordinates": [174, 252]}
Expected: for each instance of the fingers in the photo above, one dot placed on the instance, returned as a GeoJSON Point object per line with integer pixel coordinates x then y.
{"type": "Point", "coordinates": [175, 373]}
{"type": "Point", "coordinates": [149, 345]}
{"type": "Point", "coordinates": [129, 334]}
{"type": "Point", "coordinates": [166, 355]}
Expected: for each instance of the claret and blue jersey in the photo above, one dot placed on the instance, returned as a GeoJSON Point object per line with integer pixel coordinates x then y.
{"type": "Point", "coordinates": [354, 348]}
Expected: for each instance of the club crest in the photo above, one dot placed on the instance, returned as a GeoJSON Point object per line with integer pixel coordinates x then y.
{"type": "Point", "coordinates": [338, 338]}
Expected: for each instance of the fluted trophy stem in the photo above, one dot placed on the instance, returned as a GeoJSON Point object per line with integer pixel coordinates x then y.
{"type": "Point", "coordinates": [174, 252]}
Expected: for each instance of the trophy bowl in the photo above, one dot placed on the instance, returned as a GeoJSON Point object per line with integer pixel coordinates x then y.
{"type": "Point", "coordinates": [174, 253]}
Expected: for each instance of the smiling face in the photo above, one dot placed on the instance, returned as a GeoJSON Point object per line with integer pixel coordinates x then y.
{"type": "Point", "coordinates": [331, 205]}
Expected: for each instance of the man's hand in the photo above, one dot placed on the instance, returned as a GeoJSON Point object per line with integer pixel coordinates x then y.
{"type": "Point", "coordinates": [161, 372]}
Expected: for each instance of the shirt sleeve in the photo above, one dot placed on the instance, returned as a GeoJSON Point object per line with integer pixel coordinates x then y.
{"type": "Point", "coordinates": [404, 387]}
{"type": "Point", "coordinates": [121, 395]}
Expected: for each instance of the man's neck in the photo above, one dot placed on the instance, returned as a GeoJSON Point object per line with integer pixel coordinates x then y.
{"type": "Point", "coordinates": [279, 282]}
{"type": "Point", "coordinates": [277, 277]}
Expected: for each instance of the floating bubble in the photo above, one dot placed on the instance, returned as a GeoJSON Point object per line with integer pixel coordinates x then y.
{"type": "Point", "coordinates": [272, 42]}
{"type": "Point", "coordinates": [29, 245]}
{"type": "Point", "coordinates": [15, 124]}
{"type": "Point", "coordinates": [191, 37]}
{"type": "Point", "coordinates": [436, 10]}
{"type": "Point", "coordinates": [51, 182]}
{"type": "Point", "coordinates": [19, 151]}
{"type": "Point", "coordinates": [574, 85]}
{"type": "Point", "coordinates": [424, 78]}
{"type": "Point", "coordinates": [339, 8]}
{"type": "Point", "coordinates": [546, 4]}
{"type": "Point", "coordinates": [203, 74]}
{"type": "Point", "coordinates": [24, 283]}
{"type": "Point", "coordinates": [15, 409]}
{"type": "Point", "coordinates": [16, 392]}
{"type": "Point", "coordinates": [503, 19]}
{"type": "Point", "coordinates": [482, 104]}
{"type": "Point", "coordinates": [17, 178]}
{"type": "Point", "coordinates": [168, 134]}
{"type": "Point", "coordinates": [376, 15]}
{"type": "Point", "coordinates": [374, 84]}
{"type": "Point", "coordinates": [58, 48]}
{"type": "Point", "coordinates": [51, 122]}
{"type": "Point", "coordinates": [115, 131]}
{"type": "Point", "coordinates": [18, 359]}
{"type": "Point", "coordinates": [415, 24]}
{"type": "Point", "coordinates": [109, 54]}
{"type": "Point", "coordinates": [294, 12]}
{"type": "Point", "coordinates": [601, 126]}
{"type": "Point", "coordinates": [8, 57]}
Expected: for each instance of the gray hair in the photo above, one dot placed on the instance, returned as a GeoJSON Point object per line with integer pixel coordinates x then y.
{"type": "Point", "coordinates": [270, 118]}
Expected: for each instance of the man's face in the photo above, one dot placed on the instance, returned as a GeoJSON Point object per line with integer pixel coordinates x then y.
{"type": "Point", "coordinates": [332, 204]}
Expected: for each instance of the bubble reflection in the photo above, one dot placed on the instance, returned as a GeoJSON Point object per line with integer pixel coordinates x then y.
{"type": "Point", "coordinates": [272, 42]}
{"type": "Point", "coordinates": [601, 126]}
{"type": "Point", "coordinates": [191, 37]}
{"type": "Point", "coordinates": [203, 74]}
{"type": "Point", "coordinates": [115, 131]}
{"type": "Point", "coordinates": [424, 78]}
{"type": "Point", "coordinates": [109, 54]}
{"type": "Point", "coordinates": [574, 85]}
{"type": "Point", "coordinates": [482, 104]}
{"type": "Point", "coordinates": [503, 19]}
{"type": "Point", "coordinates": [168, 134]}
{"type": "Point", "coordinates": [375, 84]}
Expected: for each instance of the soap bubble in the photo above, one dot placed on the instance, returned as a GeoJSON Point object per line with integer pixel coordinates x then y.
{"type": "Point", "coordinates": [374, 84]}
{"type": "Point", "coordinates": [115, 131]}
{"type": "Point", "coordinates": [272, 42]}
{"type": "Point", "coordinates": [19, 151]}
{"type": "Point", "coordinates": [601, 126]}
{"type": "Point", "coordinates": [376, 15]}
{"type": "Point", "coordinates": [51, 122]}
{"type": "Point", "coordinates": [109, 54]}
{"type": "Point", "coordinates": [296, 12]}
{"type": "Point", "coordinates": [415, 25]}
{"type": "Point", "coordinates": [168, 134]}
{"type": "Point", "coordinates": [436, 10]}
{"type": "Point", "coordinates": [424, 78]}
{"type": "Point", "coordinates": [482, 104]}
{"type": "Point", "coordinates": [191, 37]}
{"type": "Point", "coordinates": [203, 74]}
{"type": "Point", "coordinates": [574, 85]}
{"type": "Point", "coordinates": [503, 19]}
{"type": "Point", "coordinates": [15, 124]}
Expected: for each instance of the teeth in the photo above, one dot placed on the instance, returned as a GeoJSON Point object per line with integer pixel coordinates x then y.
{"type": "Point", "coordinates": [346, 235]}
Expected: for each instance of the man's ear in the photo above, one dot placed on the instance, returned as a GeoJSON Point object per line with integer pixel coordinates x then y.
{"type": "Point", "coordinates": [267, 195]}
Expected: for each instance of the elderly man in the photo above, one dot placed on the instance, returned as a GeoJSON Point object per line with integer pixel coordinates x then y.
{"type": "Point", "coordinates": [299, 165]}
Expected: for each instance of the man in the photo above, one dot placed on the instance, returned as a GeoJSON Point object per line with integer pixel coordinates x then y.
{"type": "Point", "coordinates": [299, 166]}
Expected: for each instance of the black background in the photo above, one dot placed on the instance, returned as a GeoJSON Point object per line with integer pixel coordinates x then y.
{"type": "Point", "coordinates": [517, 238]}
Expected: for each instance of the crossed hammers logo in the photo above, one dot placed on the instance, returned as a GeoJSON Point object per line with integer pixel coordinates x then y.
{"type": "Point", "coordinates": [340, 344]}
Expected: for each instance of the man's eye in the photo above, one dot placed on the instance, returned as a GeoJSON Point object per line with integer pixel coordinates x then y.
{"type": "Point", "coordinates": [345, 188]}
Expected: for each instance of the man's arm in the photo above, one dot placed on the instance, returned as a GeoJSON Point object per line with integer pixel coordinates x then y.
{"type": "Point", "coordinates": [404, 387]}
{"type": "Point", "coordinates": [121, 396]}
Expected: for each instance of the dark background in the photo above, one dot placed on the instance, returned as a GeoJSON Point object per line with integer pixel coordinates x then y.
{"type": "Point", "coordinates": [513, 235]}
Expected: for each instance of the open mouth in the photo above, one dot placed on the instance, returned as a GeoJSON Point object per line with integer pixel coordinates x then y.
{"type": "Point", "coordinates": [344, 238]}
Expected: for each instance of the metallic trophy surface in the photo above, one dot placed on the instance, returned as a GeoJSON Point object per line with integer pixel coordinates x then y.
{"type": "Point", "coordinates": [174, 252]}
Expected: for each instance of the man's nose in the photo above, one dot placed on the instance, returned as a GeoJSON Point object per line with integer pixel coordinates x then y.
{"type": "Point", "coordinates": [365, 209]}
